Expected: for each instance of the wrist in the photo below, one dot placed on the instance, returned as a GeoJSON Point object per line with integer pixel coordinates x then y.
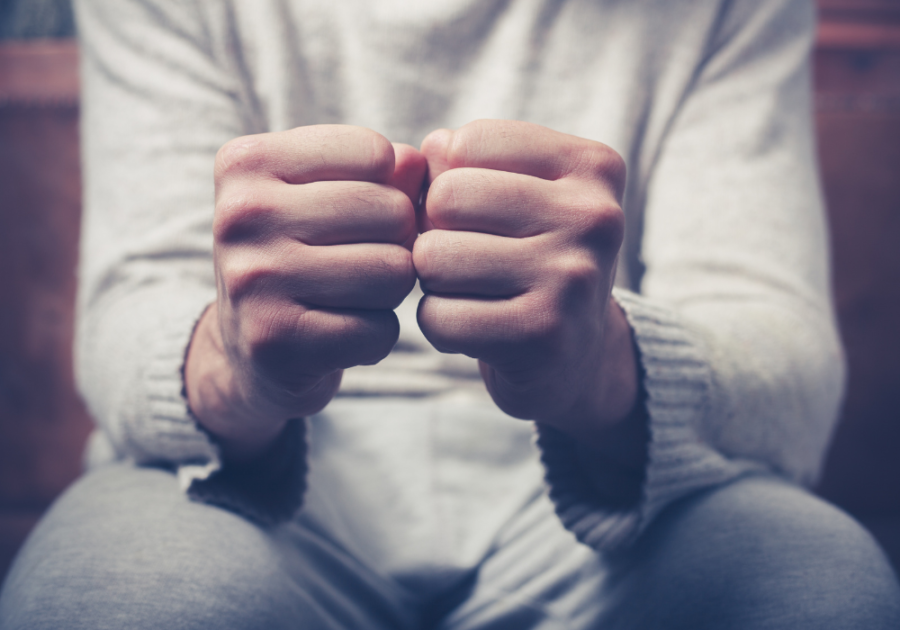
{"type": "Point", "coordinates": [216, 400]}
{"type": "Point", "coordinates": [610, 416]}
{"type": "Point", "coordinates": [619, 379]}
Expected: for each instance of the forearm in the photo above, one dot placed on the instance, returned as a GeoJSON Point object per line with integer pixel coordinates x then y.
{"type": "Point", "coordinates": [778, 374]}
{"type": "Point", "coordinates": [129, 354]}
{"type": "Point", "coordinates": [745, 263]}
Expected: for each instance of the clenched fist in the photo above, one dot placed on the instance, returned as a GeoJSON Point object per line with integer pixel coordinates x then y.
{"type": "Point", "coordinates": [522, 228]}
{"type": "Point", "coordinates": [312, 235]}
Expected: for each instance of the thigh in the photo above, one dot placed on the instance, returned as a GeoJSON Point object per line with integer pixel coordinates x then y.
{"type": "Point", "coordinates": [757, 553]}
{"type": "Point", "coordinates": [535, 576]}
{"type": "Point", "coordinates": [125, 548]}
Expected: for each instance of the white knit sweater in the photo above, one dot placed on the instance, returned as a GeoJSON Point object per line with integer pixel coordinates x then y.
{"type": "Point", "coordinates": [723, 275]}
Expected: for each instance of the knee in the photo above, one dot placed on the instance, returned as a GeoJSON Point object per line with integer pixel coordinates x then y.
{"type": "Point", "coordinates": [762, 553]}
{"type": "Point", "coordinates": [124, 547]}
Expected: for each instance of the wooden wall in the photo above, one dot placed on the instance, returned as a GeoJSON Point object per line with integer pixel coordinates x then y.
{"type": "Point", "coordinates": [43, 424]}
{"type": "Point", "coordinates": [858, 103]}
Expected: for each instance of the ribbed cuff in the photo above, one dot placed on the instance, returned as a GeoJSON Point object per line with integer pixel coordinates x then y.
{"type": "Point", "coordinates": [268, 490]}
{"type": "Point", "coordinates": [163, 431]}
{"type": "Point", "coordinates": [677, 383]}
{"type": "Point", "coordinates": [595, 520]}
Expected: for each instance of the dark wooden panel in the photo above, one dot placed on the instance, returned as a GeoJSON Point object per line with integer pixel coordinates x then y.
{"type": "Point", "coordinates": [859, 11]}
{"type": "Point", "coordinates": [43, 423]}
{"type": "Point", "coordinates": [858, 123]}
{"type": "Point", "coordinates": [860, 157]}
{"type": "Point", "coordinates": [42, 73]}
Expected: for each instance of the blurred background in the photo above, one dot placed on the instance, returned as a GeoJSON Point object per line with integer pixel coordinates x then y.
{"type": "Point", "coordinates": [43, 423]}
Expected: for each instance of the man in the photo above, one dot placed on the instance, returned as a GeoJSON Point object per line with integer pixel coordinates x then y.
{"type": "Point", "coordinates": [230, 335]}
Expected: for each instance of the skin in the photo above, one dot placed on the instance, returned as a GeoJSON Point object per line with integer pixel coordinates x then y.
{"type": "Point", "coordinates": [315, 244]}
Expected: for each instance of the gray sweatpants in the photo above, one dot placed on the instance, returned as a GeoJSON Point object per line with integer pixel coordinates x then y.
{"type": "Point", "coordinates": [433, 514]}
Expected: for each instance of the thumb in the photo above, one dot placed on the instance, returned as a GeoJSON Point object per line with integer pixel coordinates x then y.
{"type": "Point", "coordinates": [409, 172]}
{"type": "Point", "coordinates": [410, 169]}
{"type": "Point", "coordinates": [434, 149]}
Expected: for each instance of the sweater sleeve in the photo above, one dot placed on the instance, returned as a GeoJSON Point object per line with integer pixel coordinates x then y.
{"type": "Point", "coordinates": [159, 99]}
{"type": "Point", "coordinates": [743, 369]}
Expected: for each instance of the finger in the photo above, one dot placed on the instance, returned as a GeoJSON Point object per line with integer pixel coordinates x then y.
{"type": "Point", "coordinates": [356, 276]}
{"type": "Point", "coordinates": [309, 154]}
{"type": "Point", "coordinates": [409, 176]}
{"type": "Point", "coordinates": [494, 202]}
{"type": "Point", "coordinates": [502, 145]}
{"type": "Point", "coordinates": [294, 343]}
{"type": "Point", "coordinates": [318, 213]}
{"type": "Point", "coordinates": [520, 147]}
{"type": "Point", "coordinates": [410, 167]}
{"type": "Point", "coordinates": [509, 332]}
{"type": "Point", "coordinates": [474, 264]}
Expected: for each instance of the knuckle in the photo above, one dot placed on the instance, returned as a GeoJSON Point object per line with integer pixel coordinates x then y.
{"type": "Point", "coordinates": [380, 337]}
{"type": "Point", "coordinates": [238, 215]}
{"type": "Point", "coordinates": [396, 264]}
{"type": "Point", "coordinates": [268, 338]}
{"type": "Point", "coordinates": [381, 156]}
{"type": "Point", "coordinates": [282, 365]}
{"type": "Point", "coordinates": [439, 321]}
{"type": "Point", "coordinates": [463, 143]}
{"type": "Point", "coordinates": [442, 199]}
{"type": "Point", "coordinates": [595, 154]}
{"type": "Point", "coordinates": [600, 219]}
{"type": "Point", "coordinates": [291, 348]}
{"type": "Point", "coordinates": [616, 169]}
{"type": "Point", "coordinates": [579, 275]}
{"type": "Point", "coordinates": [601, 162]}
{"type": "Point", "coordinates": [580, 281]}
{"type": "Point", "coordinates": [398, 209]}
{"type": "Point", "coordinates": [391, 275]}
{"type": "Point", "coordinates": [346, 341]}
{"type": "Point", "coordinates": [240, 277]}
{"type": "Point", "coordinates": [262, 329]}
{"type": "Point", "coordinates": [592, 157]}
{"type": "Point", "coordinates": [240, 156]}
{"type": "Point", "coordinates": [424, 251]}
{"type": "Point", "coordinates": [609, 228]}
